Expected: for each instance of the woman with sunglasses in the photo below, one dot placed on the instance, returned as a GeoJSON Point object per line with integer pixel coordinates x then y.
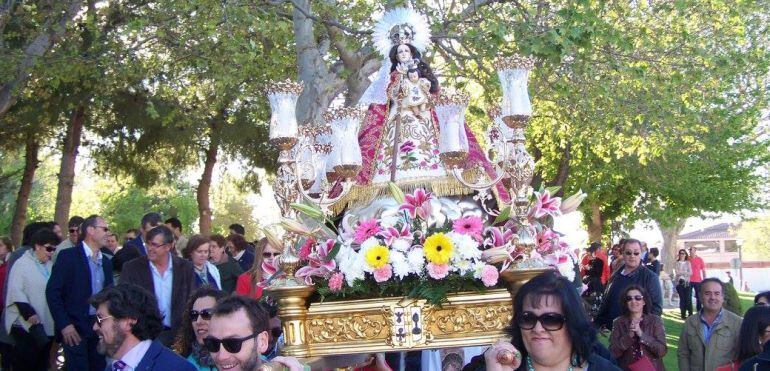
{"type": "Point", "coordinates": [28, 319]}
{"type": "Point", "coordinates": [682, 273]}
{"type": "Point", "coordinates": [638, 334]}
{"type": "Point", "coordinates": [197, 251]}
{"type": "Point", "coordinates": [195, 327]}
{"type": "Point", "coordinates": [250, 283]}
{"type": "Point", "coordinates": [763, 298]}
{"type": "Point", "coordinates": [754, 340]}
{"type": "Point", "coordinates": [549, 330]}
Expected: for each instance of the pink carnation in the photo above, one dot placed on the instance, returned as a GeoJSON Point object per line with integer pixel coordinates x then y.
{"type": "Point", "coordinates": [335, 282]}
{"type": "Point", "coordinates": [366, 228]}
{"type": "Point", "coordinates": [438, 271]}
{"type": "Point", "coordinates": [470, 225]}
{"type": "Point", "coordinates": [383, 273]}
{"type": "Point", "coordinates": [489, 275]}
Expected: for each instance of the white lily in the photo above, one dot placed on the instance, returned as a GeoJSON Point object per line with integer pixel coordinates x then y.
{"type": "Point", "coordinates": [572, 202]}
{"type": "Point", "coordinates": [291, 225]}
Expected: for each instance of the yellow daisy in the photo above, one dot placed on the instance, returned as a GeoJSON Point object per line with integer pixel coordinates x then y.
{"type": "Point", "coordinates": [438, 248]}
{"type": "Point", "coordinates": [377, 256]}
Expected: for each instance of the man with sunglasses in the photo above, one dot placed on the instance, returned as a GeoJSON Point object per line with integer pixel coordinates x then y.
{"type": "Point", "coordinates": [632, 271]}
{"type": "Point", "coordinates": [72, 238]}
{"type": "Point", "coordinates": [238, 336]}
{"type": "Point", "coordinates": [78, 274]}
{"type": "Point", "coordinates": [127, 321]}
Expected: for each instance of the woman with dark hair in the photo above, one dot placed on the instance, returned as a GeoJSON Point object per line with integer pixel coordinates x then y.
{"type": "Point", "coordinates": [682, 273]}
{"type": "Point", "coordinates": [197, 251]}
{"type": "Point", "coordinates": [755, 334]}
{"type": "Point", "coordinates": [28, 318]}
{"type": "Point", "coordinates": [195, 327]}
{"type": "Point", "coordinates": [229, 269]}
{"type": "Point", "coordinates": [550, 328]}
{"type": "Point", "coordinates": [239, 249]}
{"type": "Point", "coordinates": [763, 298]}
{"type": "Point", "coordinates": [637, 333]}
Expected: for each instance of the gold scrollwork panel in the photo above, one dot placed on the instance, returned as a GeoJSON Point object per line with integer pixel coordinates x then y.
{"type": "Point", "coordinates": [363, 327]}
{"type": "Point", "coordinates": [458, 321]}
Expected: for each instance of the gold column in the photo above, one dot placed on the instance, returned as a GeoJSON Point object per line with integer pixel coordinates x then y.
{"type": "Point", "coordinates": [292, 309]}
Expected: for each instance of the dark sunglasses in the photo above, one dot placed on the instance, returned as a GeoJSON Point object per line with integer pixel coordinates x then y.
{"type": "Point", "coordinates": [49, 248]}
{"type": "Point", "coordinates": [205, 314]}
{"type": "Point", "coordinates": [73, 230]}
{"type": "Point", "coordinates": [232, 345]}
{"type": "Point", "coordinates": [550, 321]}
{"type": "Point", "coordinates": [635, 253]}
{"type": "Point", "coordinates": [270, 254]}
{"type": "Point", "coordinates": [634, 297]}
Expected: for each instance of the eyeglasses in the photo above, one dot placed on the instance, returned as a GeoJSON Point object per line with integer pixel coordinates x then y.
{"type": "Point", "coordinates": [157, 246]}
{"type": "Point", "coordinates": [99, 320]}
{"type": "Point", "coordinates": [205, 314]}
{"type": "Point", "coordinates": [73, 230]}
{"type": "Point", "coordinates": [549, 321]}
{"type": "Point", "coordinates": [635, 253]}
{"type": "Point", "coordinates": [634, 297]}
{"type": "Point", "coordinates": [761, 304]}
{"type": "Point", "coordinates": [270, 254]}
{"type": "Point", "coordinates": [105, 229]}
{"type": "Point", "coordinates": [50, 248]}
{"type": "Point", "coordinates": [232, 345]}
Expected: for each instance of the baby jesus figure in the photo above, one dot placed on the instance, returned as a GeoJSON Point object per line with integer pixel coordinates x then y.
{"type": "Point", "coordinates": [415, 90]}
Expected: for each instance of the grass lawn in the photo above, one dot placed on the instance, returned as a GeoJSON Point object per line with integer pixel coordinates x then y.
{"type": "Point", "coordinates": [673, 325]}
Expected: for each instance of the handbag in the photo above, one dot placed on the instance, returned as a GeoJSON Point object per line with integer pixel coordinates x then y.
{"type": "Point", "coordinates": [728, 367]}
{"type": "Point", "coordinates": [642, 364]}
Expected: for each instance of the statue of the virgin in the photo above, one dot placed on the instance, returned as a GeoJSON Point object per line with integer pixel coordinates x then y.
{"type": "Point", "coordinates": [400, 134]}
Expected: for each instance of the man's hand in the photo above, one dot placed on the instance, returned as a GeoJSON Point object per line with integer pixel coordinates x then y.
{"type": "Point", "coordinates": [70, 335]}
{"type": "Point", "coordinates": [33, 319]}
{"type": "Point", "coordinates": [289, 362]}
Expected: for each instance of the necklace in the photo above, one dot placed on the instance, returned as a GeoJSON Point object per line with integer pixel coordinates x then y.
{"type": "Point", "coordinates": [530, 367]}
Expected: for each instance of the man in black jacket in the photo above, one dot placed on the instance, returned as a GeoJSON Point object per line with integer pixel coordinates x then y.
{"type": "Point", "coordinates": [169, 277]}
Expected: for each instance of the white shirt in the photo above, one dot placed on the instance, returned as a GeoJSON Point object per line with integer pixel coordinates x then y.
{"type": "Point", "coordinates": [238, 255]}
{"type": "Point", "coordinates": [163, 286]}
{"type": "Point", "coordinates": [133, 357]}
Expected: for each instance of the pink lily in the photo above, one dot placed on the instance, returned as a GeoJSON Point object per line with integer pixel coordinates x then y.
{"type": "Point", "coordinates": [391, 234]}
{"type": "Point", "coordinates": [546, 238]}
{"type": "Point", "coordinates": [544, 205]}
{"type": "Point", "coordinates": [418, 204]}
{"type": "Point", "coordinates": [318, 266]}
{"type": "Point", "coordinates": [496, 237]}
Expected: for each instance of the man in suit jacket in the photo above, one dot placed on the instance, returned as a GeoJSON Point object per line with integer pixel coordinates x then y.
{"type": "Point", "coordinates": [169, 277]}
{"type": "Point", "coordinates": [79, 273]}
{"type": "Point", "coordinates": [127, 322]}
{"type": "Point", "coordinates": [137, 247]}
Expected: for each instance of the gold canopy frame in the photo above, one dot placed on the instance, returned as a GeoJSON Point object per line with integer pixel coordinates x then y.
{"type": "Point", "coordinates": [313, 330]}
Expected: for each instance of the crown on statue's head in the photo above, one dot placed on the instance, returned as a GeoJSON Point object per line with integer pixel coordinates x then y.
{"type": "Point", "coordinates": [402, 34]}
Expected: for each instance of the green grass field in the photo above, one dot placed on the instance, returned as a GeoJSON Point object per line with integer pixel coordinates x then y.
{"type": "Point", "coordinates": [673, 325]}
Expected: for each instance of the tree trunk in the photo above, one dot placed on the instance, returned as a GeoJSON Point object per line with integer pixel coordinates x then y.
{"type": "Point", "coordinates": [204, 186]}
{"type": "Point", "coordinates": [596, 225]}
{"type": "Point", "coordinates": [670, 234]}
{"type": "Point", "coordinates": [31, 163]}
{"type": "Point", "coordinates": [51, 31]}
{"type": "Point", "coordinates": [67, 168]}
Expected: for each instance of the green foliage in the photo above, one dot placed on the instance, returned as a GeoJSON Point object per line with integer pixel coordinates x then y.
{"type": "Point", "coordinates": [124, 207]}
{"type": "Point", "coordinates": [230, 205]}
{"type": "Point", "coordinates": [732, 301]}
{"type": "Point", "coordinates": [756, 238]}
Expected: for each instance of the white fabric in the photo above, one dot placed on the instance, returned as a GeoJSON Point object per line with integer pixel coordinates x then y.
{"type": "Point", "coordinates": [214, 272]}
{"type": "Point", "coordinates": [133, 357]}
{"type": "Point", "coordinates": [66, 244]}
{"type": "Point", "coordinates": [395, 17]}
{"type": "Point", "coordinates": [239, 255]}
{"type": "Point", "coordinates": [376, 93]}
{"type": "Point", "coordinates": [26, 284]}
{"type": "Point", "coordinates": [89, 253]}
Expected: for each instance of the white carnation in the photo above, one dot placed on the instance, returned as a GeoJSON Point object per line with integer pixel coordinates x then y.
{"type": "Point", "coordinates": [401, 266]}
{"type": "Point", "coordinates": [466, 247]}
{"type": "Point", "coordinates": [416, 258]}
{"type": "Point", "coordinates": [351, 267]}
{"type": "Point", "coordinates": [478, 266]}
{"type": "Point", "coordinates": [463, 266]}
{"type": "Point", "coordinates": [401, 244]}
{"type": "Point", "coordinates": [567, 270]}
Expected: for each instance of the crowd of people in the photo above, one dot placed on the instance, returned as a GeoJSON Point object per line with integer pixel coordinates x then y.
{"type": "Point", "coordinates": [166, 301]}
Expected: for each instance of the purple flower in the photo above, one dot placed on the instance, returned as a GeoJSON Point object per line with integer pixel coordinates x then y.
{"type": "Point", "coordinates": [407, 146]}
{"type": "Point", "coordinates": [545, 205]}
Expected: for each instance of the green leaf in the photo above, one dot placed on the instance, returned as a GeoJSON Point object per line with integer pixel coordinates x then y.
{"type": "Point", "coordinates": [396, 192]}
{"type": "Point", "coordinates": [503, 216]}
{"type": "Point", "coordinates": [309, 210]}
{"type": "Point", "coordinates": [334, 252]}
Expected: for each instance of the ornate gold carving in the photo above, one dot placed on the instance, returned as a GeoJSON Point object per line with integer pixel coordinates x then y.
{"type": "Point", "coordinates": [475, 319]}
{"type": "Point", "coordinates": [344, 328]}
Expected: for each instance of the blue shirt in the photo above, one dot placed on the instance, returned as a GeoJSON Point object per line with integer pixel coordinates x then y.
{"type": "Point", "coordinates": [97, 273]}
{"type": "Point", "coordinates": [708, 329]}
{"type": "Point", "coordinates": [162, 285]}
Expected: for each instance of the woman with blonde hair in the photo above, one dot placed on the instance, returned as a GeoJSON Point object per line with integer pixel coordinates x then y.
{"type": "Point", "coordinates": [251, 282]}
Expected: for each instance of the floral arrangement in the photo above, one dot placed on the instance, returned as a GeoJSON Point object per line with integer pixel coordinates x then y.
{"type": "Point", "coordinates": [411, 256]}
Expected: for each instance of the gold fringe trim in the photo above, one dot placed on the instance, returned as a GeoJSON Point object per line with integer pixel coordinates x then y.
{"type": "Point", "coordinates": [363, 195]}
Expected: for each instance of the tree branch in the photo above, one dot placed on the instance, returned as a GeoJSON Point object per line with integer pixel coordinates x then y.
{"type": "Point", "coordinates": [328, 21]}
